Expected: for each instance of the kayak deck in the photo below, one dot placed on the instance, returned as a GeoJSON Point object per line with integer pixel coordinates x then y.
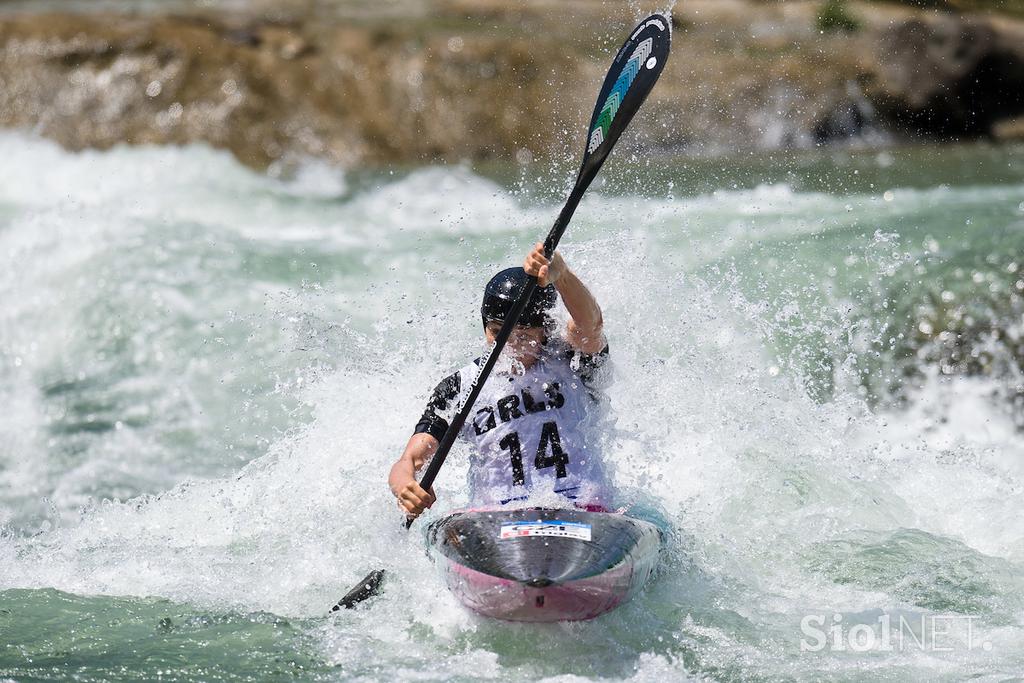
{"type": "Point", "coordinates": [543, 564]}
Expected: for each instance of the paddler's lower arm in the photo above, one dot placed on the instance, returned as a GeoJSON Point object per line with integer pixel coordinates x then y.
{"type": "Point", "coordinates": [585, 331]}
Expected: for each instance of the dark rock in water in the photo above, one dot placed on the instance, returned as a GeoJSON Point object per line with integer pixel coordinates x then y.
{"type": "Point", "coordinates": [845, 121]}
{"type": "Point", "coordinates": [852, 117]}
{"type": "Point", "coordinates": [946, 324]}
{"type": "Point", "coordinates": [949, 77]}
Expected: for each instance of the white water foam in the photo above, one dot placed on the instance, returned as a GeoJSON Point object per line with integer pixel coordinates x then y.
{"type": "Point", "coordinates": [780, 502]}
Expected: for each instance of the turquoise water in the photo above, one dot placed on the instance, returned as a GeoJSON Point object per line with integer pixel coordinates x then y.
{"type": "Point", "coordinates": [207, 372]}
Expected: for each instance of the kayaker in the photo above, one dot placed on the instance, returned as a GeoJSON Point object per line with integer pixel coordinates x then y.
{"type": "Point", "coordinates": [528, 428]}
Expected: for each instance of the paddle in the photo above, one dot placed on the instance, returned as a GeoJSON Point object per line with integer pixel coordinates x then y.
{"type": "Point", "coordinates": [633, 73]}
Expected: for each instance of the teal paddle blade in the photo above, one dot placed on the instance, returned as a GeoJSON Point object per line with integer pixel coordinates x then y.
{"type": "Point", "coordinates": [633, 73]}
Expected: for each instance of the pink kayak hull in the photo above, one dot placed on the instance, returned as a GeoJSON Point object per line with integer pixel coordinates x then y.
{"type": "Point", "coordinates": [544, 578]}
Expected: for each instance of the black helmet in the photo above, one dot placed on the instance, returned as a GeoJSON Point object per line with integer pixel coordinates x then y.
{"type": "Point", "coordinates": [502, 292]}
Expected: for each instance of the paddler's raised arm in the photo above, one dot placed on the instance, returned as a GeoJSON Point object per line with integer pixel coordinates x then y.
{"type": "Point", "coordinates": [585, 330]}
{"type": "Point", "coordinates": [402, 480]}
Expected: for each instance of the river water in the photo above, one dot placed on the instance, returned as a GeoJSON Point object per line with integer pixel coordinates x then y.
{"type": "Point", "coordinates": [206, 372]}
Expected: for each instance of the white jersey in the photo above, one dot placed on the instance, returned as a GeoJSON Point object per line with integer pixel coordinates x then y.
{"type": "Point", "coordinates": [530, 432]}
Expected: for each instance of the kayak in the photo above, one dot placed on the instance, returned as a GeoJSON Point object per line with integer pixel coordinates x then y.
{"type": "Point", "coordinates": [543, 564]}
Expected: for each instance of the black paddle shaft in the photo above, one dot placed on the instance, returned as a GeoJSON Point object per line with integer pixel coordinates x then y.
{"type": "Point", "coordinates": [633, 73]}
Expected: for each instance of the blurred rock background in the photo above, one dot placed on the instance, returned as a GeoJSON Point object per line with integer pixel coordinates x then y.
{"type": "Point", "coordinates": [399, 81]}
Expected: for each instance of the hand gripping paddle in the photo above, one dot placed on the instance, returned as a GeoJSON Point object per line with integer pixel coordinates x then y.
{"type": "Point", "coordinates": [633, 73]}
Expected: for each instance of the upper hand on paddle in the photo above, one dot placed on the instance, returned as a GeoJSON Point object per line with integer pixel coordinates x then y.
{"type": "Point", "coordinates": [584, 331]}
{"type": "Point", "coordinates": [547, 271]}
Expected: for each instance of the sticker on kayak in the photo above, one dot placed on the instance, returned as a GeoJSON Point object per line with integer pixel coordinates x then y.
{"type": "Point", "coordinates": [553, 527]}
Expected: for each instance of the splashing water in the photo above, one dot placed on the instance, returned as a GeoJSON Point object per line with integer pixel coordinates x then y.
{"type": "Point", "coordinates": [207, 373]}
